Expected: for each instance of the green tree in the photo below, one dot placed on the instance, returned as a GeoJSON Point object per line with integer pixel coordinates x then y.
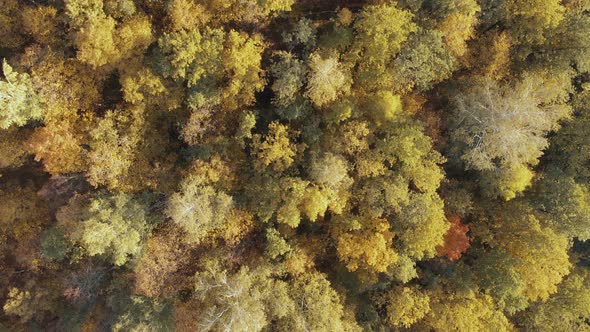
{"type": "Point", "coordinates": [192, 55]}
{"type": "Point", "coordinates": [497, 276]}
{"type": "Point", "coordinates": [569, 147]}
{"type": "Point", "coordinates": [563, 204]}
{"type": "Point", "coordinates": [289, 76]}
{"type": "Point", "coordinates": [423, 62]}
{"type": "Point", "coordinates": [568, 42]}
{"type": "Point", "coordinates": [19, 103]}
{"type": "Point", "coordinates": [137, 313]}
{"type": "Point", "coordinates": [110, 225]}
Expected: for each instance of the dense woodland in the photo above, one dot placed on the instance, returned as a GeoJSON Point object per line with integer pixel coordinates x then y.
{"type": "Point", "coordinates": [295, 165]}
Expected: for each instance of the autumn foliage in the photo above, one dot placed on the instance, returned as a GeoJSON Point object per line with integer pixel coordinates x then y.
{"type": "Point", "coordinates": [456, 241]}
{"type": "Point", "coordinates": [294, 165]}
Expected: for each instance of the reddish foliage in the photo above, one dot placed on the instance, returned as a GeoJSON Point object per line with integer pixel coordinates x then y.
{"type": "Point", "coordinates": [456, 240]}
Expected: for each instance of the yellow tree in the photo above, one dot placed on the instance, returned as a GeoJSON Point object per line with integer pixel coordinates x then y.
{"type": "Point", "coordinates": [404, 305]}
{"type": "Point", "coordinates": [463, 312]}
{"type": "Point", "coordinates": [365, 244]}
{"type": "Point", "coordinates": [241, 61]}
{"type": "Point", "coordinates": [535, 263]}
{"type": "Point", "coordinates": [380, 32]}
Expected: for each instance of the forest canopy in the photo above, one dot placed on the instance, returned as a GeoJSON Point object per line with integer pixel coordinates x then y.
{"type": "Point", "coordinates": [295, 165]}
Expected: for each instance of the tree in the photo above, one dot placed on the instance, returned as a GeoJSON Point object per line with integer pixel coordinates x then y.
{"type": "Point", "coordinates": [367, 245]}
{"type": "Point", "coordinates": [13, 147]}
{"type": "Point", "coordinates": [156, 271]}
{"type": "Point", "coordinates": [231, 302]}
{"type": "Point", "coordinates": [186, 15]}
{"type": "Point", "coordinates": [380, 32]}
{"type": "Point", "coordinates": [459, 24]}
{"type": "Point", "coordinates": [113, 145]}
{"type": "Point", "coordinates": [301, 34]}
{"type": "Point", "coordinates": [198, 208]}
{"type": "Point", "coordinates": [563, 204]}
{"type": "Point", "coordinates": [424, 62]}
{"type": "Point", "coordinates": [59, 146]}
{"type": "Point", "coordinates": [383, 107]}
{"type": "Point", "coordinates": [276, 245]}
{"type": "Point", "coordinates": [338, 34]}
{"type": "Point", "coordinates": [42, 22]}
{"type": "Point", "coordinates": [326, 80]}
{"type": "Point", "coordinates": [252, 12]}
{"type": "Point", "coordinates": [506, 183]}
{"type": "Point", "coordinates": [54, 244]}
{"type": "Point", "coordinates": [23, 217]}
{"type": "Point", "coordinates": [464, 312]}
{"type": "Point", "coordinates": [330, 170]}
{"type": "Point", "coordinates": [421, 226]}
{"type": "Point", "coordinates": [289, 76]}
{"type": "Point", "coordinates": [568, 42]}
{"type": "Point", "coordinates": [456, 240]}
{"type": "Point", "coordinates": [10, 36]}
{"type": "Point", "coordinates": [19, 103]}
{"type": "Point", "coordinates": [119, 9]}
{"type": "Point", "coordinates": [501, 129]}
{"type": "Point", "coordinates": [539, 259]}
{"type": "Point", "coordinates": [529, 21]}
{"type": "Point", "coordinates": [100, 39]}
{"type": "Point", "coordinates": [96, 41]}
{"type": "Point", "coordinates": [496, 275]}
{"type": "Point", "coordinates": [241, 59]}
{"type": "Point", "coordinates": [404, 305]}
{"type": "Point", "coordinates": [109, 225]}
{"type": "Point", "coordinates": [506, 123]}
{"type": "Point", "coordinates": [567, 309]}
{"type": "Point", "coordinates": [276, 151]}
{"type": "Point", "coordinates": [491, 56]}
{"type": "Point", "coordinates": [318, 306]}
{"type": "Point", "coordinates": [351, 138]}
{"type": "Point", "coordinates": [226, 64]}
{"type": "Point", "coordinates": [289, 199]}
{"type": "Point", "coordinates": [28, 302]}
{"type": "Point", "coordinates": [138, 313]}
{"type": "Point", "coordinates": [142, 85]}
{"type": "Point", "coordinates": [69, 91]}
{"type": "Point", "coordinates": [192, 55]}
{"type": "Point", "coordinates": [132, 38]}
{"type": "Point", "coordinates": [569, 148]}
